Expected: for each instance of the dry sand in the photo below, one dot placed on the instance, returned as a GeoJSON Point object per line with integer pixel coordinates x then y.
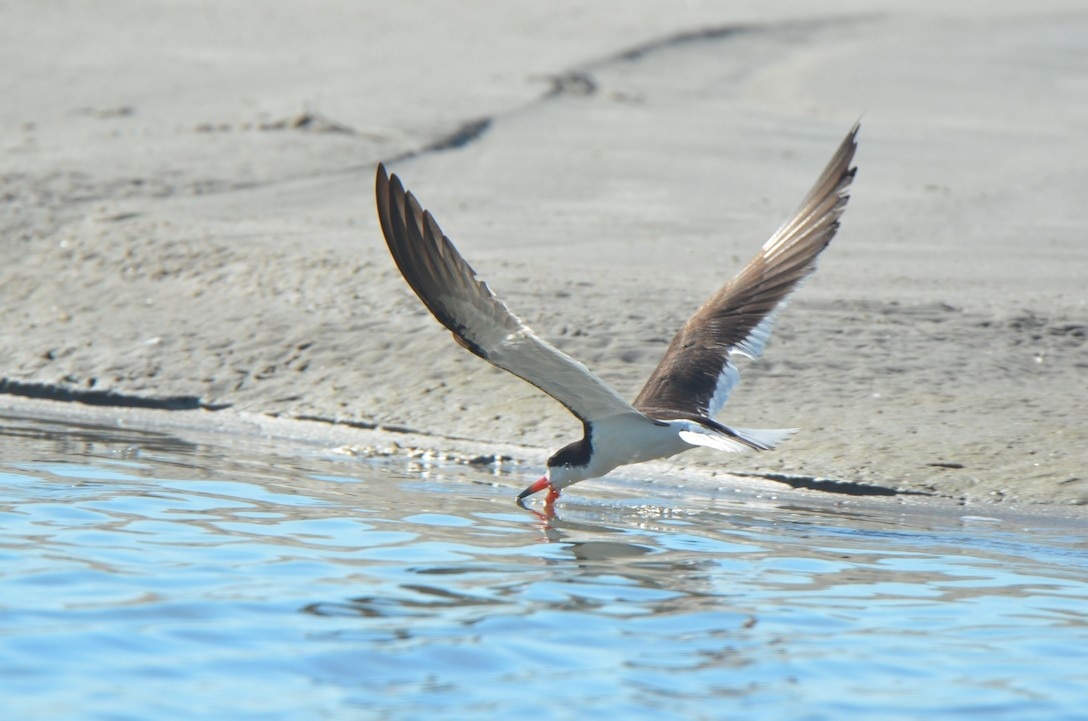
{"type": "Point", "coordinates": [187, 218]}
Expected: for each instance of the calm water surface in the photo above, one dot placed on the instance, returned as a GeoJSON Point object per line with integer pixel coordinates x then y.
{"type": "Point", "coordinates": [145, 577]}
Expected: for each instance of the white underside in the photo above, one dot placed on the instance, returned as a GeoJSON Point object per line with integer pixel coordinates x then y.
{"type": "Point", "coordinates": [632, 438]}
{"type": "Point", "coordinates": [750, 347]}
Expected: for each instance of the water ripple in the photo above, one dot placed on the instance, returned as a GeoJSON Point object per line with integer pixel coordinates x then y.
{"type": "Point", "coordinates": [148, 577]}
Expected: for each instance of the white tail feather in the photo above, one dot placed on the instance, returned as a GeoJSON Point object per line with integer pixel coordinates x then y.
{"type": "Point", "coordinates": [761, 438]}
{"type": "Point", "coordinates": [765, 438]}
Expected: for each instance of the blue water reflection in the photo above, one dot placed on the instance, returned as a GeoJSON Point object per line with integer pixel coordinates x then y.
{"type": "Point", "coordinates": [147, 577]}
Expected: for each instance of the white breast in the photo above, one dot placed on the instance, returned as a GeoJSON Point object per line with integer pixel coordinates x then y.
{"type": "Point", "coordinates": [629, 438]}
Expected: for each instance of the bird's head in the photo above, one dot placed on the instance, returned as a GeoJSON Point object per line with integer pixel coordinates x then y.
{"type": "Point", "coordinates": [567, 466]}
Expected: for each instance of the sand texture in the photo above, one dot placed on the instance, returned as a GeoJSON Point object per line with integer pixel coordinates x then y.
{"type": "Point", "coordinates": [187, 217]}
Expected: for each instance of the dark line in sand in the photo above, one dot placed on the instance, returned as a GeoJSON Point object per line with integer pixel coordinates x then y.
{"type": "Point", "coordinates": [832, 485]}
{"type": "Point", "coordinates": [576, 82]}
{"type": "Point", "coordinates": [53, 392]}
{"type": "Point", "coordinates": [466, 133]}
{"type": "Point", "coordinates": [686, 37]}
{"type": "Point", "coordinates": [579, 81]}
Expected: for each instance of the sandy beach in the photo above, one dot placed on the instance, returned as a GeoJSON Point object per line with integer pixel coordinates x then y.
{"type": "Point", "coordinates": [188, 222]}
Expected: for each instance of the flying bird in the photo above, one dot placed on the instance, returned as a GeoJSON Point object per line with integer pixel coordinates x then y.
{"type": "Point", "coordinates": [675, 410]}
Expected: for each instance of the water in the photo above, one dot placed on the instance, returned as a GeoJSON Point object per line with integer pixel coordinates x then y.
{"type": "Point", "coordinates": [144, 576]}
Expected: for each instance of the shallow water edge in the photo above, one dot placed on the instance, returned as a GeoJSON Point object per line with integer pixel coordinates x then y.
{"type": "Point", "coordinates": [153, 575]}
{"type": "Point", "coordinates": [524, 461]}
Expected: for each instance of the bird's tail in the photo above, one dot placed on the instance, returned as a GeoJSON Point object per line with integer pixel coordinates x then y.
{"type": "Point", "coordinates": [735, 440]}
{"type": "Point", "coordinates": [763, 439]}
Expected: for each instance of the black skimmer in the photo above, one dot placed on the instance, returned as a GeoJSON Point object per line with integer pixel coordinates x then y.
{"type": "Point", "coordinates": [676, 408]}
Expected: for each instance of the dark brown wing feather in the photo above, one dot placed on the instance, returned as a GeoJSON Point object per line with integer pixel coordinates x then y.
{"type": "Point", "coordinates": [479, 321]}
{"type": "Point", "coordinates": [696, 374]}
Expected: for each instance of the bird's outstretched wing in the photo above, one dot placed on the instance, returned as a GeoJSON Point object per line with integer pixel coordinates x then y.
{"type": "Point", "coordinates": [479, 321]}
{"type": "Point", "coordinates": [697, 374]}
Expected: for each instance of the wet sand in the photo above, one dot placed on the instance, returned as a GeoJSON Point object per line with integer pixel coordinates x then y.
{"type": "Point", "coordinates": [188, 220]}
